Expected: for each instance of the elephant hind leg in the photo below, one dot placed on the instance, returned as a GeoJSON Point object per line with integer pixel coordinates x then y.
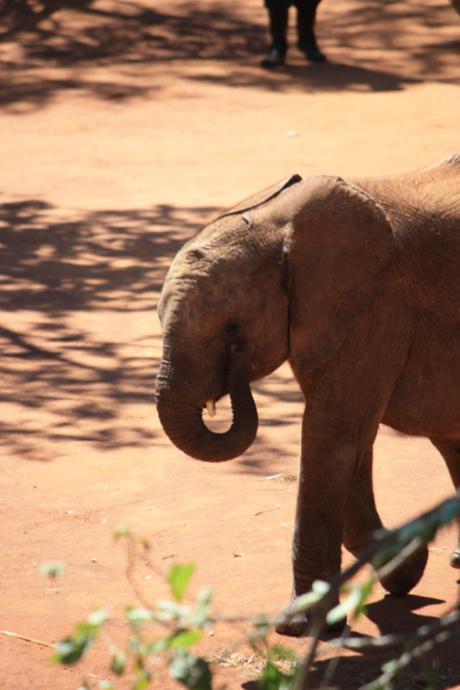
{"type": "Point", "coordinates": [362, 521]}
{"type": "Point", "coordinates": [450, 451]}
{"type": "Point", "coordinates": [407, 575]}
{"type": "Point", "coordinates": [361, 517]}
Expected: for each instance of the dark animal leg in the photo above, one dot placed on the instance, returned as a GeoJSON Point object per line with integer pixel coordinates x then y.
{"type": "Point", "coordinates": [307, 43]}
{"type": "Point", "coordinates": [278, 13]}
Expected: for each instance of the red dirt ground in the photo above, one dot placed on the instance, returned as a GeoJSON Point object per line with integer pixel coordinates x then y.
{"type": "Point", "coordinates": [125, 126]}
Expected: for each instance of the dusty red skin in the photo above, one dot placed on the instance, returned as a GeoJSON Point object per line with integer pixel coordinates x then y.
{"type": "Point", "coordinates": [66, 488]}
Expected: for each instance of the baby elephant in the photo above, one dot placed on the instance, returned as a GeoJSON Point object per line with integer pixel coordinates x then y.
{"type": "Point", "coordinates": [357, 284]}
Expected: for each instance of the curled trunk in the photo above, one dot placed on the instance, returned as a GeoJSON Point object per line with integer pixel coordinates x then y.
{"type": "Point", "coordinates": [183, 421]}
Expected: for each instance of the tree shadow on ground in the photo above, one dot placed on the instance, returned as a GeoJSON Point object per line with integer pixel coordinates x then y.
{"type": "Point", "coordinates": [438, 669]}
{"type": "Point", "coordinates": [79, 359]}
{"type": "Point", "coordinates": [75, 364]}
{"type": "Point", "coordinates": [118, 50]}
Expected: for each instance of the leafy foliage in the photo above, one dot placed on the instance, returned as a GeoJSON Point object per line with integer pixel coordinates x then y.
{"type": "Point", "coordinates": [274, 679]}
{"type": "Point", "coordinates": [171, 629]}
{"type": "Point", "coordinates": [70, 650]}
{"type": "Point", "coordinates": [191, 671]}
{"type": "Point", "coordinates": [179, 577]}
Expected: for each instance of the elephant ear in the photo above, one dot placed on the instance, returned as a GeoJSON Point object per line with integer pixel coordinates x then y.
{"type": "Point", "coordinates": [262, 197]}
{"type": "Point", "coordinates": [339, 249]}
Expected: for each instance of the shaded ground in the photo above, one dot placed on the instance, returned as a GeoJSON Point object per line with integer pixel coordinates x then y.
{"type": "Point", "coordinates": [124, 129]}
{"type": "Point", "coordinates": [51, 48]}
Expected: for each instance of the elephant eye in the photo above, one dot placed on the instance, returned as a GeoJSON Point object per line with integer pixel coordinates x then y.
{"type": "Point", "coordinates": [231, 329]}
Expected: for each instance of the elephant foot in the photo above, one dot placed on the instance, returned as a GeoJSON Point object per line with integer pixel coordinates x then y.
{"type": "Point", "coordinates": [293, 627]}
{"type": "Point", "coordinates": [455, 558]}
{"type": "Point", "coordinates": [404, 578]}
{"type": "Point", "coordinates": [299, 625]}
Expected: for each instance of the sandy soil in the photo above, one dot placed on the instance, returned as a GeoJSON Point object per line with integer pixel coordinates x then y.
{"type": "Point", "coordinates": [124, 127]}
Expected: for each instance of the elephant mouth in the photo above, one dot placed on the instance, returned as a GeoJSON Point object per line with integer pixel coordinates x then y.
{"type": "Point", "coordinates": [211, 408]}
{"type": "Point", "coordinates": [211, 397]}
{"type": "Point", "coordinates": [223, 389]}
{"type": "Point", "coordinates": [210, 405]}
{"type": "Point", "coordinates": [186, 427]}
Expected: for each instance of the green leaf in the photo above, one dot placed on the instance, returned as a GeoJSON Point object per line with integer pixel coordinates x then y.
{"type": "Point", "coordinates": [273, 679]}
{"type": "Point", "coordinates": [98, 617]}
{"type": "Point", "coordinates": [200, 617]}
{"type": "Point", "coordinates": [70, 650]}
{"type": "Point", "coordinates": [122, 532]}
{"type": "Point", "coordinates": [191, 671]}
{"type": "Point", "coordinates": [355, 603]}
{"type": "Point", "coordinates": [179, 577]}
{"type": "Point", "coordinates": [204, 600]}
{"type": "Point", "coordinates": [139, 616]}
{"type": "Point", "coordinates": [390, 666]}
{"type": "Point", "coordinates": [203, 608]}
{"type": "Point", "coordinates": [280, 652]}
{"type": "Point", "coordinates": [169, 610]}
{"type": "Point", "coordinates": [158, 647]}
{"type": "Point", "coordinates": [184, 639]}
{"type": "Point", "coordinates": [204, 597]}
{"type": "Point", "coordinates": [365, 590]}
{"type": "Point", "coordinates": [319, 590]}
{"type": "Point", "coordinates": [52, 569]}
{"type": "Point", "coordinates": [321, 587]}
{"type": "Point", "coordinates": [118, 664]}
{"type": "Point", "coordinates": [143, 679]}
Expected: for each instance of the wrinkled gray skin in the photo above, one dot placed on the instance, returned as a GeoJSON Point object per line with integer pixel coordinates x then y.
{"type": "Point", "coordinates": [357, 284]}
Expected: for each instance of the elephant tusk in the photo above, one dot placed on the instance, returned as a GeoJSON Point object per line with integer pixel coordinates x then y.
{"type": "Point", "coordinates": [211, 408]}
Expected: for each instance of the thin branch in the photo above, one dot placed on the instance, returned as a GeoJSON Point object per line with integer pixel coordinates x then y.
{"type": "Point", "coordinates": [334, 662]}
{"type": "Point", "coordinates": [424, 641]}
{"type": "Point", "coordinates": [424, 633]}
{"type": "Point", "coordinates": [8, 633]}
{"type": "Point", "coordinates": [386, 554]}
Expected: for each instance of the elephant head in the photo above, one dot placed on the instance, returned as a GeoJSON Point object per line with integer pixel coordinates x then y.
{"type": "Point", "coordinates": [279, 277]}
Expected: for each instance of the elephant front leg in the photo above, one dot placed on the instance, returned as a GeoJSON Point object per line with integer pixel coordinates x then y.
{"type": "Point", "coordinates": [450, 451]}
{"type": "Point", "coordinates": [346, 399]}
{"type": "Point", "coordinates": [326, 469]}
{"type": "Point", "coordinates": [362, 521]}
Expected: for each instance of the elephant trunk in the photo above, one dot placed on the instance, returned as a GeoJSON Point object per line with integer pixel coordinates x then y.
{"type": "Point", "coordinates": [184, 425]}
